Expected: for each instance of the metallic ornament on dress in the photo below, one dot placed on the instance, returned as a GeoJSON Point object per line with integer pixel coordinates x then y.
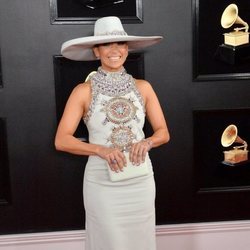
{"type": "Point", "coordinates": [122, 137]}
{"type": "Point", "coordinates": [124, 86]}
{"type": "Point", "coordinates": [92, 105]}
{"type": "Point", "coordinates": [113, 83]}
{"type": "Point", "coordinates": [119, 110]}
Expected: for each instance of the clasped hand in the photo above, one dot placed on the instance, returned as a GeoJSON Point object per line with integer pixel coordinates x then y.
{"type": "Point", "coordinates": [117, 160]}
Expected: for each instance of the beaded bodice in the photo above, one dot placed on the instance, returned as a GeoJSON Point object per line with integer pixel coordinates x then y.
{"type": "Point", "coordinates": [116, 114]}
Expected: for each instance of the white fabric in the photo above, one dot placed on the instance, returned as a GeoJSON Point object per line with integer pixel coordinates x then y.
{"type": "Point", "coordinates": [119, 215]}
{"type": "Point", "coordinates": [130, 171]}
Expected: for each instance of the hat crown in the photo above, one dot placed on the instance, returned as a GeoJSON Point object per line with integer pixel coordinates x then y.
{"type": "Point", "coordinates": [107, 26]}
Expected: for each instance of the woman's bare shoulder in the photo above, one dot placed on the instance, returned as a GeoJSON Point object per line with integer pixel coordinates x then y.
{"type": "Point", "coordinates": [141, 81]}
{"type": "Point", "coordinates": [82, 89]}
{"type": "Point", "coordinates": [143, 85]}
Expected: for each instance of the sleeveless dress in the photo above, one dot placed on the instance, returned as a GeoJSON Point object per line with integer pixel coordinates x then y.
{"type": "Point", "coordinates": [119, 215]}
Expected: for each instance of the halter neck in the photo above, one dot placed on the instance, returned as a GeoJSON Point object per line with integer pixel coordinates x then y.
{"type": "Point", "coordinates": [112, 83]}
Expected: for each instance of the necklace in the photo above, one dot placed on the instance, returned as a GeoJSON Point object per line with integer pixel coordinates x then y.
{"type": "Point", "coordinates": [112, 83]}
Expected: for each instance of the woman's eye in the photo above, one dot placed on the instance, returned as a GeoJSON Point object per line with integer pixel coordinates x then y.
{"type": "Point", "coordinates": [107, 44]}
{"type": "Point", "coordinates": [121, 43]}
{"type": "Point", "coordinates": [110, 44]}
{"type": "Point", "coordinates": [104, 44]}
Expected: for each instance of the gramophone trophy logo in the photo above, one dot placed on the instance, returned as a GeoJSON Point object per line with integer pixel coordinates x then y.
{"type": "Point", "coordinates": [236, 48]}
{"type": "Point", "coordinates": [239, 35]}
{"type": "Point", "coordinates": [238, 154]}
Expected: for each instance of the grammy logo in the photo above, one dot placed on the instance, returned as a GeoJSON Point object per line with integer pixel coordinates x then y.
{"type": "Point", "coordinates": [237, 36]}
{"type": "Point", "coordinates": [238, 153]}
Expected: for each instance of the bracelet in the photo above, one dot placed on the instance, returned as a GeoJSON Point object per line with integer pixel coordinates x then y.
{"type": "Point", "coordinates": [149, 142]}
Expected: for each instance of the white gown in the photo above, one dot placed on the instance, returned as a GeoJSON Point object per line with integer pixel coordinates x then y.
{"type": "Point", "coordinates": [119, 215]}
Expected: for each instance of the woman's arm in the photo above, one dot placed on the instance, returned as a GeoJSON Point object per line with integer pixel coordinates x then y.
{"type": "Point", "coordinates": [74, 111]}
{"type": "Point", "coordinates": [156, 119]}
{"type": "Point", "coordinates": [76, 107]}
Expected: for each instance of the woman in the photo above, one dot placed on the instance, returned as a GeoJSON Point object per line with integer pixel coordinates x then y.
{"type": "Point", "coordinates": [119, 215]}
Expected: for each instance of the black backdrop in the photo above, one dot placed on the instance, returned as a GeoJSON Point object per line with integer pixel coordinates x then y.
{"type": "Point", "coordinates": [43, 187]}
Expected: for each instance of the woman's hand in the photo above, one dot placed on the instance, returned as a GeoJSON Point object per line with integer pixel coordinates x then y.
{"type": "Point", "coordinates": [115, 158]}
{"type": "Point", "coordinates": [139, 150]}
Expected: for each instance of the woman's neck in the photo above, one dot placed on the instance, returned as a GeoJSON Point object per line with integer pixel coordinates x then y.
{"type": "Point", "coordinates": [108, 72]}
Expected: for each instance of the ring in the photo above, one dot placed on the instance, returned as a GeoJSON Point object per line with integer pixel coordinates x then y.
{"type": "Point", "coordinates": [114, 161]}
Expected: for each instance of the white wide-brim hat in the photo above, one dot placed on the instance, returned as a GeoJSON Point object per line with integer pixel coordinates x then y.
{"type": "Point", "coordinates": [106, 30]}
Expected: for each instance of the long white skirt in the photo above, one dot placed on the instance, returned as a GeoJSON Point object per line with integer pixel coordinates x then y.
{"type": "Point", "coordinates": [119, 215]}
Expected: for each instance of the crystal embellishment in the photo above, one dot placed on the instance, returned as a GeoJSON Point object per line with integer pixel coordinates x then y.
{"type": "Point", "coordinates": [116, 93]}
{"type": "Point", "coordinates": [122, 137]}
{"type": "Point", "coordinates": [120, 110]}
{"type": "Point", "coordinates": [112, 83]}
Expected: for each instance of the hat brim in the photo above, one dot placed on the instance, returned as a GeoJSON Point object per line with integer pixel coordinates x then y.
{"type": "Point", "coordinates": [80, 49]}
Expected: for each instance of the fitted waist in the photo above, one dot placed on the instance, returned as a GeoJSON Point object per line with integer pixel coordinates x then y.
{"type": "Point", "coordinates": [123, 145]}
{"type": "Point", "coordinates": [97, 171]}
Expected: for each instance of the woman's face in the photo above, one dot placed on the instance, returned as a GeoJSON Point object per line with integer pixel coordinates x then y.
{"type": "Point", "coordinates": [112, 55]}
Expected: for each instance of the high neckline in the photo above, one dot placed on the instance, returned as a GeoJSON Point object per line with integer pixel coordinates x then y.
{"type": "Point", "coordinates": [102, 71]}
{"type": "Point", "coordinates": [112, 83]}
